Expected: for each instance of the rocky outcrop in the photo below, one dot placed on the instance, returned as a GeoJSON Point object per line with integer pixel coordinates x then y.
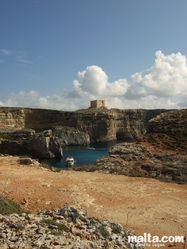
{"type": "Point", "coordinates": [62, 228]}
{"type": "Point", "coordinates": [99, 124]}
{"type": "Point", "coordinates": [12, 147]}
{"type": "Point", "coordinates": [70, 136]}
{"type": "Point", "coordinates": [169, 131]}
{"type": "Point", "coordinates": [161, 153]}
{"type": "Point", "coordinates": [44, 145]}
{"type": "Point", "coordinates": [140, 160]}
{"type": "Point", "coordinates": [26, 142]}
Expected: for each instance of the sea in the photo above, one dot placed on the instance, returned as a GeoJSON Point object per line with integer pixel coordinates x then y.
{"type": "Point", "coordinates": [83, 155]}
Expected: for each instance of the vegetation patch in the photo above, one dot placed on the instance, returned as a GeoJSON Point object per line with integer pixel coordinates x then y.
{"type": "Point", "coordinates": [7, 136]}
{"type": "Point", "coordinates": [55, 228]}
{"type": "Point", "coordinates": [104, 232]}
{"type": "Point", "coordinates": [116, 229]}
{"type": "Point", "coordinates": [8, 206]}
{"type": "Point", "coordinates": [25, 160]}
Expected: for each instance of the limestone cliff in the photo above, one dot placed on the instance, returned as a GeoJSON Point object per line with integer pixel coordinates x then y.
{"type": "Point", "coordinates": [169, 131]}
{"type": "Point", "coordinates": [160, 153]}
{"type": "Point", "coordinates": [70, 136]}
{"type": "Point", "coordinates": [100, 125]}
{"type": "Point", "coordinates": [25, 142]}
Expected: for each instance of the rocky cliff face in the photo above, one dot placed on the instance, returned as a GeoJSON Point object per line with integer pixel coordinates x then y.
{"type": "Point", "coordinates": [114, 124]}
{"type": "Point", "coordinates": [169, 131]}
{"type": "Point", "coordinates": [100, 125]}
{"type": "Point", "coordinates": [160, 153]}
{"type": "Point", "coordinates": [30, 118]}
{"type": "Point", "coordinates": [70, 136]}
{"type": "Point", "coordinates": [133, 159]}
{"type": "Point", "coordinates": [26, 142]}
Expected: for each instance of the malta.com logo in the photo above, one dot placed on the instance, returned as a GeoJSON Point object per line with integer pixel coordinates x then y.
{"type": "Point", "coordinates": [148, 240]}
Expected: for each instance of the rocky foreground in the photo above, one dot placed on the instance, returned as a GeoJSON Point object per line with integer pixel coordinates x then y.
{"type": "Point", "coordinates": [61, 228]}
{"type": "Point", "coordinates": [141, 205]}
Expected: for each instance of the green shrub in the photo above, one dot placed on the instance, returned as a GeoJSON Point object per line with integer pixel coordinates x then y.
{"type": "Point", "coordinates": [8, 206]}
{"type": "Point", "coordinates": [103, 231]}
{"type": "Point", "coordinates": [116, 229]}
{"type": "Point", "coordinates": [59, 227]}
{"type": "Point", "coordinates": [7, 136]}
{"type": "Point", "coordinates": [25, 160]}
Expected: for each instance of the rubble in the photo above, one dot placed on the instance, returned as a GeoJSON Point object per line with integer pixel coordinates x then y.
{"type": "Point", "coordinates": [61, 228]}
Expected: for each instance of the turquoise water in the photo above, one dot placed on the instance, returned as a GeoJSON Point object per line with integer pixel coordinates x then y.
{"type": "Point", "coordinates": [82, 154]}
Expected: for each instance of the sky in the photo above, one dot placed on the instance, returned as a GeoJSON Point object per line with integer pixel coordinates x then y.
{"type": "Point", "coordinates": [61, 54]}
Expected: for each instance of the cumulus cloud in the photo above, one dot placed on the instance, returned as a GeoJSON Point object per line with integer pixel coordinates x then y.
{"type": "Point", "coordinates": [94, 81]}
{"type": "Point", "coordinates": [167, 77]}
{"type": "Point", "coordinates": [163, 85]}
{"type": "Point", "coordinates": [36, 100]}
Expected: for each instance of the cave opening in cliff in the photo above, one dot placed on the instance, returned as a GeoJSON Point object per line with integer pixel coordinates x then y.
{"type": "Point", "coordinates": [120, 135]}
{"type": "Point", "coordinates": [123, 136]}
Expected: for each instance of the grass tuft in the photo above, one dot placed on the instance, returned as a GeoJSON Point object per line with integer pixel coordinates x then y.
{"type": "Point", "coordinates": [8, 206]}
{"type": "Point", "coordinates": [57, 228]}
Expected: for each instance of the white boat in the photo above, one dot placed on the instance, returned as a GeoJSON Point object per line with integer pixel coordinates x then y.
{"type": "Point", "coordinates": [70, 161]}
{"type": "Point", "coordinates": [91, 148]}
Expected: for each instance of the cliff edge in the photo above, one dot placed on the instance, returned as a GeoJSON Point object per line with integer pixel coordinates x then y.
{"type": "Point", "coordinates": [100, 124]}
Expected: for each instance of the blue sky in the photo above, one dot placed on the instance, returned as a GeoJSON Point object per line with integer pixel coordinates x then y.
{"type": "Point", "coordinates": [60, 54]}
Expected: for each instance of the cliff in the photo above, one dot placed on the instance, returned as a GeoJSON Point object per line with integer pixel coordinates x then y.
{"type": "Point", "coordinates": [100, 125]}
{"type": "Point", "coordinates": [169, 131]}
{"type": "Point", "coordinates": [160, 153]}
{"type": "Point", "coordinates": [26, 142]}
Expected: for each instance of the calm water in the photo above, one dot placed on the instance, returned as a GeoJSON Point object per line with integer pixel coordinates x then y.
{"type": "Point", "coordinates": [82, 154]}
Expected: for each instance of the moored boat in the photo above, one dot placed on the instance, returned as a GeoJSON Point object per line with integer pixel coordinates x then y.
{"type": "Point", "coordinates": [91, 148]}
{"type": "Point", "coordinates": [70, 161]}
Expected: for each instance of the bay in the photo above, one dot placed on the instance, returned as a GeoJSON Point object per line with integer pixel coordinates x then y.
{"type": "Point", "coordinates": [84, 155]}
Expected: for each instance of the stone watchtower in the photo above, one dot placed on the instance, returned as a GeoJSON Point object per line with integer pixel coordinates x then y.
{"type": "Point", "coordinates": [97, 104]}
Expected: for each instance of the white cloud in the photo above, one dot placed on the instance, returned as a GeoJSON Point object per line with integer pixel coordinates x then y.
{"type": "Point", "coordinates": [94, 81]}
{"type": "Point", "coordinates": [6, 52]}
{"type": "Point", "coordinates": [19, 57]}
{"type": "Point", "coordinates": [167, 77]}
{"type": "Point", "coordinates": [164, 85]}
{"type": "Point", "coordinates": [36, 100]}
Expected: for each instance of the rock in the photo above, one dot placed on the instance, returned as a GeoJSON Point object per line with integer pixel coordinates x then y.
{"type": "Point", "coordinates": [15, 133]}
{"type": "Point", "coordinates": [38, 145]}
{"type": "Point", "coordinates": [140, 160]}
{"type": "Point", "coordinates": [26, 161]}
{"type": "Point", "coordinates": [12, 147]}
{"type": "Point", "coordinates": [168, 131]}
{"type": "Point", "coordinates": [98, 124]}
{"type": "Point", "coordinates": [59, 230]}
{"type": "Point", "coordinates": [71, 213]}
{"type": "Point", "coordinates": [70, 136]}
{"type": "Point", "coordinates": [160, 153]}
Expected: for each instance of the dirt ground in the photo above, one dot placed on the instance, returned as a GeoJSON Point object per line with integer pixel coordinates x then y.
{"type": "Point", "coordinates": [140, 204]}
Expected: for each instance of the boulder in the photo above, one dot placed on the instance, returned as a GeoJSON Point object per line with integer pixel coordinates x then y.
{"type": "Point", "coordinates": [22, 142]}
{"type": "Point", "coordinates": [44, 146]}
{"type": "Point", "coordinates": [12, 147]}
